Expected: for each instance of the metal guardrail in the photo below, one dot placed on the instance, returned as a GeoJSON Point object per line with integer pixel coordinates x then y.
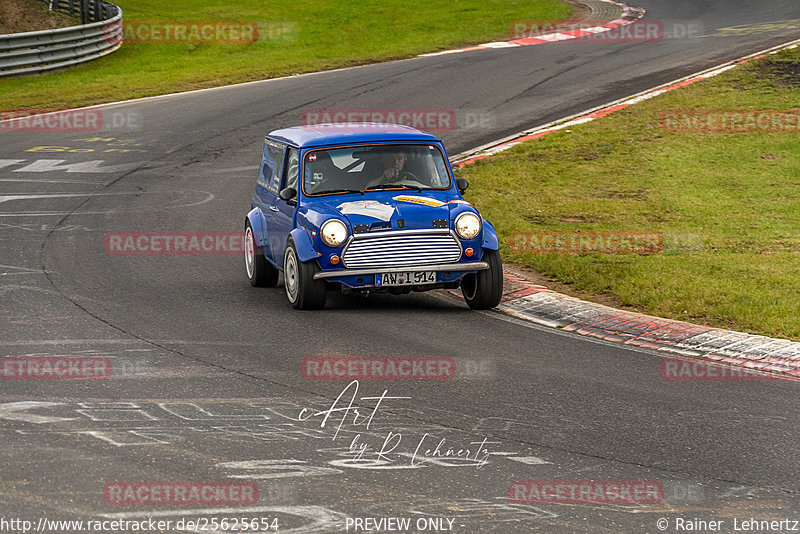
{"type": "Point", "coordinates": [35, 52]}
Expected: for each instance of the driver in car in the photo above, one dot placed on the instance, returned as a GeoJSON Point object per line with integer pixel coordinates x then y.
{"type": "Point", "coordinates": [392, 163]}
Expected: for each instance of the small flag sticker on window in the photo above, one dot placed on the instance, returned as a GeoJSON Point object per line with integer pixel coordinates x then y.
{"type": "Point", "coordinates": [312, 157]}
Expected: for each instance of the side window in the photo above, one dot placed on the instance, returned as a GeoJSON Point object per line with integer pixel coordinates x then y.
{"type": "Point", "coordinates": [292, 168]}
{"type": "Point", "coordinates": [271, 165]}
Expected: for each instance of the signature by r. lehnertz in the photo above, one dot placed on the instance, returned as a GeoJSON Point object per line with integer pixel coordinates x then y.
{"type": "Point", "coordinates": [426, 451]}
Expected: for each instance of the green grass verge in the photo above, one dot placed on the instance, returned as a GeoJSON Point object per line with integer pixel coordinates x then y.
{"type": "Point", "coordinates": [736, 194]}
{"type": "Point", "coordinates": [296, 37]}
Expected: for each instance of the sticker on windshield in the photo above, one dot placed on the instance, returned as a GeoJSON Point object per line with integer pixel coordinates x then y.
{"type": "Point", "coordinates": [418, 200]}
{"type": "Point", "coordinates": [368, 208]}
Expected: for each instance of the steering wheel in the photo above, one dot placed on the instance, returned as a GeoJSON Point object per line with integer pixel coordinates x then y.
{"type": "Point", "coordinates": [404, 174]}
{"type": "Point", "coordinates": [401, 176]}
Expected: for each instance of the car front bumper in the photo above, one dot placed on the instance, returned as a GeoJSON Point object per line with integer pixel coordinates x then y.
{"type": "Point", "coordinates": [440, 268]}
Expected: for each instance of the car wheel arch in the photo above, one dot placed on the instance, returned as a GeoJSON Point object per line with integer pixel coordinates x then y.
{"type": "Point", "coordinates": [258, 225]}
{"type": "Point", "coordinates": [303, 245]}
{"type": "Point", "coordinates": [490, 240]}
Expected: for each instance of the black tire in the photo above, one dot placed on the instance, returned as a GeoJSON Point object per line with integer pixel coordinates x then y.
{"type": "Point", "coordinates": [303, 292]}
{"type": "Point", "coordinates": [484, 289]}
{"type": "Point", "coordinates": [260, 272]}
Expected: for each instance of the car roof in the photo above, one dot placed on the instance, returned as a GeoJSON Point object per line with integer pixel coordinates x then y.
{"type": "Point", "coordinates": [349, 133]}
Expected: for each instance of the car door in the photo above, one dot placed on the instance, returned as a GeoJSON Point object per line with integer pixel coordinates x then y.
{"type": "Point", "coordinates": [269, 180]}
{"type": "Point", "coordinates": [281, 211]}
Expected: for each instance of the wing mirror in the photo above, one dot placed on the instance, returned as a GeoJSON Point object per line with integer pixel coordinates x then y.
{"type": "Point", "coordinates": [462, 184]}
{"type": "Point", "coordinates": [288, 194]}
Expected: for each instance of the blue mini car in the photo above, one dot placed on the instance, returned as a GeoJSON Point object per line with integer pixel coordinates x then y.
{"type": "Point", "coordinates": [364, 208]}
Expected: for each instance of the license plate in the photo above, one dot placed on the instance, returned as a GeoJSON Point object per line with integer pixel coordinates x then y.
{"type": "Point", "coordinates": [409, 278]}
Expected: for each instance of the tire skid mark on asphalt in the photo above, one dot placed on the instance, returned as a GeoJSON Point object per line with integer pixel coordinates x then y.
{"type": "Point", "coordinates": [630, 14]}
{"type": "Point", "coordinates": [465, 158]}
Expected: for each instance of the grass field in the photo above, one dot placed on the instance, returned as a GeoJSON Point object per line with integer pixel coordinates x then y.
{"type": "Point", "coordinates": [733, 198]}
{"type": "Point", "coordinates": [295, 37]}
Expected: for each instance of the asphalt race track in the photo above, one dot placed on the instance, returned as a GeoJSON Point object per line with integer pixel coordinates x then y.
{"type": "Point", "coordinates": [206, 382]}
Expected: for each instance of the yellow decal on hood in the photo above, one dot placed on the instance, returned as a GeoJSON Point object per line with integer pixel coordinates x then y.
{"type": "Point", "coordinates": [418, 200]}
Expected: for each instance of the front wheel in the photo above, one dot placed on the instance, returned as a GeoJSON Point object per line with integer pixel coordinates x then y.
{"type": "Point", "coordinates": [260, 272]}
{"type": "Point", "coordinates": [302, 290]}
{"type": "Point", "coordinates": [484, 289]}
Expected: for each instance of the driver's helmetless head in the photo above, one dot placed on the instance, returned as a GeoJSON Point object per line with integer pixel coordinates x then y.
{"type": "Point", "coordinates": [394, 160]}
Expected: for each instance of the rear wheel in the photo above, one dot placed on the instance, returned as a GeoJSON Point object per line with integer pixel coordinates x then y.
{"type": "Point", "coordinates": [302, 290]}
{"type": "Point", "coordinates": [484, 289]}
{"type": "Point", "coordinates": [260, 272]}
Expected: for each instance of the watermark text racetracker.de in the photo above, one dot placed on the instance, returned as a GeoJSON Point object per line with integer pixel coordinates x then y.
{"type": "Point", "coordinates": [397, 368]}
{"type": "Point", "coordinates": [700, 370]}
{"type": "Point", "coordinates": [731, 121]}
{"type": "Point", "coordinates": [587, 242]}
{"type": "Point", "coordinates": [73, 120]}
{"type": "Point", "coordinates": [377, 368]}
{"type": "Point", "coordinates": [425, 119]}
{"type": "Point", "coordinates": [599, 31]}
{"type": "Point", "coordinates": [173, 243]}
{"type": "Point", "coordinates": [181, 493]}
{"type": "Point", "coordinates": [197, 32]}
{"type": "Point", "coordinates": [428, 119]}
{"type": "Point", "coordinates": [604, 242]}
{"type": "Point", "coordinates": [611, 492]}
{"type": "Point", "coordinates": [55, 368]}
{"type": "Point", "coordinates": [141, 526]}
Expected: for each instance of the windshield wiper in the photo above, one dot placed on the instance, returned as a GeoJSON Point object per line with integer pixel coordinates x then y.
{"type": "Point", "coordinates": [338, 191]}
{"type": "Point", "coordinates": [393, 186]}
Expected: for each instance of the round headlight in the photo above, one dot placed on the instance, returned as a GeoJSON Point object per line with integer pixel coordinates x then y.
{"type": "Point", "coordinates": [333, 232]}
{"type": "Point", "coordinates": [468, 225]}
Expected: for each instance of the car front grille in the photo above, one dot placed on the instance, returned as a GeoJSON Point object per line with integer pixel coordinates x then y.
{"type": "Point", "coordinates": [401, 248]}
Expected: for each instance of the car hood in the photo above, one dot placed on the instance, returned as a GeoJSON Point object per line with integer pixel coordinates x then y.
{"type": "Point", "coordinates": [388, 210]}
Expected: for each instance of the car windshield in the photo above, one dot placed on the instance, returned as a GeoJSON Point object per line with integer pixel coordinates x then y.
{"type": "Point", "coordinates": [364, 168]}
